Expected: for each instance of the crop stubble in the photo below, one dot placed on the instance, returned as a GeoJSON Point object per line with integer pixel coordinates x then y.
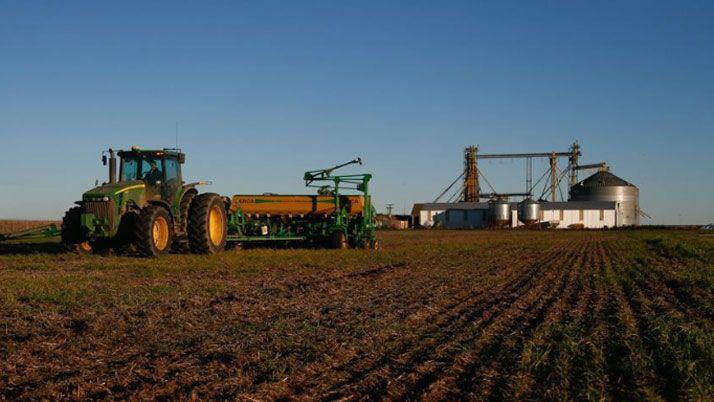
{"type": "Point", "coordinates": [435, 316]}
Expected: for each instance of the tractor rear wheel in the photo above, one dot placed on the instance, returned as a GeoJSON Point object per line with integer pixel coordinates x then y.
{"type": "Point", "coordinates": [207, 224]}
{"type": "Point", "coordinates": [154, 231]}
{"type": "Point", "coordinates": [181, 240]}
{"type": "Point", "coordinates": [73, 238]}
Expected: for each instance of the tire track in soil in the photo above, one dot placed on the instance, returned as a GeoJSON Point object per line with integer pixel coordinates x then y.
{"type": "Point", "coordinates": [445, 323]}
{"type": "Point", "coordinates": [483, 314]}
{"type": "Point", "coordinates": [484, 356]}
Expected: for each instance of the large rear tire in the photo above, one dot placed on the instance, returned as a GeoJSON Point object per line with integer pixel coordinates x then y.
{"type": "Point", "coordinates": [207, 224]}
{"type": "Point", "coordinates": [181, 243]}
{"type": "Point", "coordinates": [73, 238]}
{"type": "Point", "coordinates": [154, 231]}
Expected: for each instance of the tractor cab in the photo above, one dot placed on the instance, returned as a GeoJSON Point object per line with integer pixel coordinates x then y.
{"type": "Point", "coordinates": [158, 170]}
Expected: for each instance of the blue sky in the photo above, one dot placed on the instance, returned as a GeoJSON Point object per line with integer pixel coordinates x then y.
{"type": "Point", "coordinates": [264, 90]}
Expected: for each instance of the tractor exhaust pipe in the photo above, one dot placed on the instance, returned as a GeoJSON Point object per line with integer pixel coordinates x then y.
{"type": "Point", "coordinates": [112, 166]}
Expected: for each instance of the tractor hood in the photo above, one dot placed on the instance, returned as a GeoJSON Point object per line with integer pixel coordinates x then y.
{"type": "Point", "coordinates": [111, 190]}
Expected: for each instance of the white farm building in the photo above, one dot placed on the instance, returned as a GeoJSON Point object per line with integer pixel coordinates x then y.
{"type": "Point", "coordinates": [562, 215]}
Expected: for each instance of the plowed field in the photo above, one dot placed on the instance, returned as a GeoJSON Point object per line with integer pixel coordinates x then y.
{"type": "Point", "coordinates": [434, 315]}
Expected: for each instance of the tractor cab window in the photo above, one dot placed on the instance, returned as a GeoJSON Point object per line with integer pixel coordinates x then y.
{"type": "Point", "coordinates": [172, 169]}
{"type": "Point", "coordinates": [129, 169]}
{"type": "Point", "coordinates": [151, 171]}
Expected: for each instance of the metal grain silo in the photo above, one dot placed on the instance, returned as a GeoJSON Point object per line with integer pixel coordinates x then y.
{"type": "Point", "coordinates": [499, 212]}
{"type": "Point", "coordinates": [605, 186]}
{"type": "Point", "coordinates": [528, 211]}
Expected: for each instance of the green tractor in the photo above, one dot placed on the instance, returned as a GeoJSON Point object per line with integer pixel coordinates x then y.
{"type": "Point", "coordinates": [147, 210]}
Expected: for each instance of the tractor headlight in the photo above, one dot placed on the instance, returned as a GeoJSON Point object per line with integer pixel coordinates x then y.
{"type": "Point", "coordinates": [105, 199]}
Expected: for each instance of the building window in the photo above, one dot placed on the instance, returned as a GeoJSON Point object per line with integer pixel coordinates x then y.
{"type": "Point", "coordinates": [466, 215]}
{"type": "Point", "coordinates": [602, 214]}
{"type": "Point", "coordinates": [447, 215]}
{"type": "Point", "coordinates": [582, 215]}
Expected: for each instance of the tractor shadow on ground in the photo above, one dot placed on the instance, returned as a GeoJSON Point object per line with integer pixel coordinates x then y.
{"type": "Point", "coordinates": [31, 248]}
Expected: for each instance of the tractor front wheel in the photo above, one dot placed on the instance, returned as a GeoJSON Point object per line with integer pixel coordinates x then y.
{"type": "Point", "coordinates": [73, 238]}
{"type": "Point", "coordinates": [207, 224]}
{"type": "Point", "coordinates": [154, 231]}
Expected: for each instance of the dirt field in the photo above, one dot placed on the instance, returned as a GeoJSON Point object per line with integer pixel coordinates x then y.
{"type": "Point", "coordinates": [435, 315]}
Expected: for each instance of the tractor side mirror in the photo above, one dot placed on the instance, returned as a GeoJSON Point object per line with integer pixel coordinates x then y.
{"type": "Point", "coordinates": [104, 160]}
{"type": "Point", "coordinates": [182, 158]}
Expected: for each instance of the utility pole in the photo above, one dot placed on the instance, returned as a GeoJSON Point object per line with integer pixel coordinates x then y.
{"type": "Point", "coordinates": [390, 206]}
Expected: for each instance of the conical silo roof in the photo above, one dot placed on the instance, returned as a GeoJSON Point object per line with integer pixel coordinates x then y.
{"type": "Point", "coordinates": [604, 179]}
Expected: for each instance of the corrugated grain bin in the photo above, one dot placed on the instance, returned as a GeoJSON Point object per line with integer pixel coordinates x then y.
{"type": "Point", "coordinates": [499, 212]}
{"type": "Point", "coordinates": [529, 211]}
{"type": "Point", "coordinates": [605, 186]}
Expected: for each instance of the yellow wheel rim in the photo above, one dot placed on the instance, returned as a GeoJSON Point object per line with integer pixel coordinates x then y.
{"type": "Point", "coordinates": [85, 246]}
{"type": "Point", "coordinates": [215, 225]}
{"type": "Point", "coordinates": [161, 233]}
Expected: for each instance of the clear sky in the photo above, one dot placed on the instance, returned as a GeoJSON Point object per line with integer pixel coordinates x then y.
{"type": "Point", "coordinates": [264, 90]}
